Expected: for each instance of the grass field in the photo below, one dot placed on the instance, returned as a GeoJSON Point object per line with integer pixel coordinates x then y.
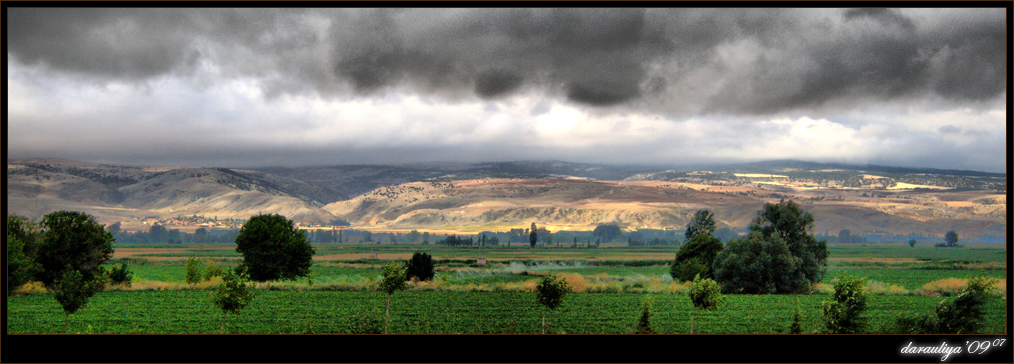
{"type": "Point", "coordinates": [497, 298]}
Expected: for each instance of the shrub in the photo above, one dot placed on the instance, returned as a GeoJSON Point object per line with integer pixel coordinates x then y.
{"type": "Point", "coordinates": [965, 314]}
{"type": "Point", "coordinates": [212, 271]}
{"type": "Point", "coordinates": [194, 270]}
{"type": "Point", "coordinates": [644, 321]}
{"type": "Point", "coordinates": [796, 327]}
{"type": "Point", "coordinates": [705, 294]}
{"type": "Point", "coordinates": [120, 274]}
{"type": "Point", "coordinates": [844, 315]}
{"type": "Point", "coordinates": [421, 267]}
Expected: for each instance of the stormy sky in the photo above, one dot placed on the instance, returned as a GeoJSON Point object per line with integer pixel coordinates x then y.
{"type": "Point", "coordinates": [295, 87]}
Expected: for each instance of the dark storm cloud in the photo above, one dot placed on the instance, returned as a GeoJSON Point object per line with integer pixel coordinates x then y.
{"type": "Point", "coordinates": [662, 60]}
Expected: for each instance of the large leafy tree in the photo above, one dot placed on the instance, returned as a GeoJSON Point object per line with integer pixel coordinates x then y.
{"type": "Point", "coordinates": [73, 240]}
{"type": "Point", "coordinates": [952, 238]}
{"type": "Point", "coordinates": [696, 257]}
{"type": "Point", "coordinates": [758, 265]}
{"type": "Point", "coordinates": [787, 222]}
{"type": "Point", "coordinates": [703, 223]}
{"type": "Point", "coordinates": [273, 248]}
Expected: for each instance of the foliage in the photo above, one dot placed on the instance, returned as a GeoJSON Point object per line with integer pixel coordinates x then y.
{"type": "Point", "coordinates": [758, 265]}
{"type": "Point", "coordinates": [273, 248]}
{"type": "Point", "coordinates": [72, 291]}
{"type": "Point", "coordinates": [965, 314]}
{"type": "Point", "coordinates": [533, 237]}
{"type": "Point", "coordinates": [705, 294]}
{"type": "Point", "coordinates": [606, 232]}
{"type": "Point", "coordinates": [791, 224]}
{"type": "Point", "coordinates": [394, 278]}
{"type": "Point", "coordinates": [74, 240]}
{"type": "Point", "coordinates": [27, 231]}
{"type": "Point", "coordinates": [844, 315]}
{"type": "Point", "coordinates": [234, 293]}
{"type": "Point", "coordinates": [421, 267]}
{"type": "Point", "coordinates": [21, 267]}
{"type": "Point", "coordinates": [796, 327]}
{"type": "Point", "coordinates": [644, 321]}
{"type": "Point", "coordinates": [551, 291]}
{"type": "Point", "coordinates": [703, 223]}
{"type": "Point", "coordinates": [212, 271]}
{"type": "Point", "coordinates": [120, 274]}
{"type": "Point", "coordinates": [951, 238]}
{"type": "Point", "coordinates": [194, 270]}
{"type": "Point", "coordinates": [912, 243]}
{"type": "Point", "coordinates": [696, 257]}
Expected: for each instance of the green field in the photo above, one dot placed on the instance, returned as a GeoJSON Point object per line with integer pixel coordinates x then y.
{"type": "Point", "coordinates": [434, 312]}
{"type": "Point", "coordinates": [496, 298]}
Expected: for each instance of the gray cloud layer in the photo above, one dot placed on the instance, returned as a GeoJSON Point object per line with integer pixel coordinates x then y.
{"type": "Point", "coordinates": [673, 61]}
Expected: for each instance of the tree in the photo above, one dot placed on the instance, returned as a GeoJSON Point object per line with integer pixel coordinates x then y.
{"type": "Point", "coordinates": [705, 294]}
{"type": "Point", "coordinates": [644, 321]}
{"type": "Point", "coordinates": [394, 280]}
{"type": "Point", "coordinates": [911, 243]}
{"type": "Point", "coordinates": [703, 223]}
{"type": "Point", "coordinates": [696, 257]}
{"type": "Point", "coordinates": [606, 232]}
{"type": "Point", "coordinates": [21, 267]}
{"type": "Point", "coordinates": [952, 238]}
{"type": "Point", "coordinates": [72, 291]}
{"type": "Point", "coordinates": [787, 223]}
{"type": "Point", "coordinates": [844, 315]}
{"type": "Point", "coordinates": [421, 267]}
{"type": "Point", "coordinates": [194, 270]}
{"type": "Point", "coordinates": [844, 236]}
{"type": "Point", "coordinates": [158, 233]}
{"type": "Point", "coordinates": [758, 265]}
{"type": "Point", "coordinates": [273, 248]}
{"type": "Point", "coordinates": [233, 294]}
{"type": "Point", "coordinates": [533, 237]}
{"type": "Point", "coordinates": [550, 293]}
{"type": "Point", "coordinates": [75, 240]}
{"type": "Point", "coordinates": [725, 234]}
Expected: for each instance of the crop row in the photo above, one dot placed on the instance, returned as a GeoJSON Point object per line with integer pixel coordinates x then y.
{"type": "Point", "coordinates": [439, 312]}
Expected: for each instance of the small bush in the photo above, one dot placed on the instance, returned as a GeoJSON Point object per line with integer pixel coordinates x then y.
{"type": "Point", "coordinates": [644, 321]}
{"type": "Point", "coordinates": [844, 315]}
{"type": "Point", "coordinates": [194, 270]}
{"type": "Point", "coordinates": [120, 275]}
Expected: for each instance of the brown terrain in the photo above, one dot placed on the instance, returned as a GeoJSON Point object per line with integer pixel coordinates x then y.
{"type": "Point", "coordinates": [860, 202]}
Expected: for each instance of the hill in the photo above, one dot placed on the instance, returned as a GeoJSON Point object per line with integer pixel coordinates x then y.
{"type": "Point", "coordinates": [504, 195]}
{"type": "Point", "coordinates": [132, 193]}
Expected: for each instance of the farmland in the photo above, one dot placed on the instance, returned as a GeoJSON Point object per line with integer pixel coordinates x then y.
{"type": "Point", "coordinates": [497, 297]}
